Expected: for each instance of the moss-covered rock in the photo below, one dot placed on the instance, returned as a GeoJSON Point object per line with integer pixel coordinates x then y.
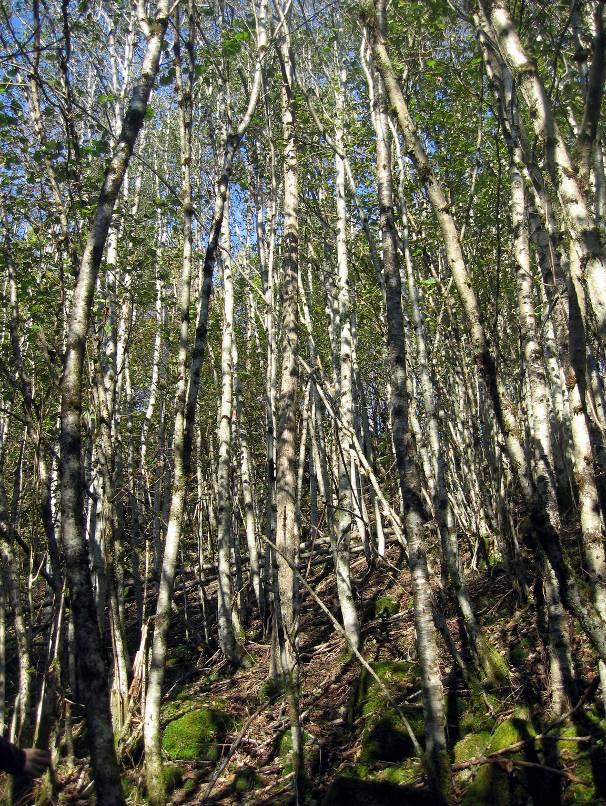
{"type": "Point", "coordinates": [408, 772]}
{"type": "Point", "coordinates": [470, 746]}
{"type": "Point", "coordinates": [385, 737]}
{"type": "Point", "coordinates": [397, 677]}
{"type": "Point", "coordinates": [493, 784]}
{"type": "Point", "coordinates": [195, 735]}
{"type": "Point", "coordinates": [176, 707]}
{"type": "Point", "coordinates": [587, 761]}
{"type": "Point", "coordinates": [477, 710]}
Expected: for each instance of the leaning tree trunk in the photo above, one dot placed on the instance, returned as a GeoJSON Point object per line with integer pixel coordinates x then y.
{"type": "Point", "coordinates": [92, 669]}
{"type": "Point", "coordinates": [578, 218]}
{"type": "Point", "coordinates": [547, 538]}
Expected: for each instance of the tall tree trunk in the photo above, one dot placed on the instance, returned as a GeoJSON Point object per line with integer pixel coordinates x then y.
{"type": "Point", "coordinates": [343, 518]}
{"type": "Point", "coordinates": [562, 685]}
{"type": "Point", "coordinates": [287, 527]}
{"type": "Point", "coordinates": [226, 615]}
{"type": "Point", "coordinates": [92, 669]}
{"type": "Point", "coordinates": [152, 736]}
{"type": "Point", "coordinates": [438, 766]}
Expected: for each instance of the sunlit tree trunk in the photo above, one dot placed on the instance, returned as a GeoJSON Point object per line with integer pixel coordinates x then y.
{"type": "Point", "coordinates": [287, 527]}
{"type": "Point", "coordinates": [226, 613]}
{"type": "Point", "coordinates": [153, 760]}
{"type": "Point", "coordinates": [414, 512]}
{"type": "Point", "coordinates": [93, 675]}
{"type": "Point", "coordinates": [344, 515]}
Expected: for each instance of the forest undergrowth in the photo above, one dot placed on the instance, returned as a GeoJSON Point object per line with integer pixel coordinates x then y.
{"type": "Point", "coordinates": [226, 736]}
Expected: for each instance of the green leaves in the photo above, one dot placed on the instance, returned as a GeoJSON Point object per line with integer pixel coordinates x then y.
{"type": "Point", "coordinates": [233, 44]}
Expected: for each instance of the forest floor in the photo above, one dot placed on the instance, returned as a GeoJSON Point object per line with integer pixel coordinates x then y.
{"type": "Point", "coordinates": [227, 738]}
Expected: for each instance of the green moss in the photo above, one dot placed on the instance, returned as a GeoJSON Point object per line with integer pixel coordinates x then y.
{"type": "Point", "coordinates": [513, 730]}
{"type": "Point", "coordinates": [396, 676]}
{"type": "Point", "coordinates": [385, 737]}
{"type": "Point", "coordinates": [173, 777]}
{"type": "Point", "coordinates": [579, 755]}
{"type": "Point", "coordinates": [407, 773]}
{"type": "Point", "coordinates": [476, 711]}
{"type": "Point", "coordinates": [385, 607]}
{"type": "Point", "coordinates": [492, 784]}
{"type": "Point", "coordinates": [471, 746]}
{"type": "Point", "coordinates": [493, 665]}
{"type": "Point", "coordinates": [194, 736]}
{"type": "Point", "coordinates": [359, 771]}
{"type": "Point", "coordinates": [176, 706]}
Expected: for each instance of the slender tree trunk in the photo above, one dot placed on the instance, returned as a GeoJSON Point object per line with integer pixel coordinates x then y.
{"type": "Point", "coordinates": [153, 759]}
{"type": "Point", "coordinates": [226, 615]}
{"type": "Point", "coordinates": [93, 674]}
{"type": "Point", "coordinates": [287, 527]}
{"type": "Point", "coordinates": [343, 518]}
{"type": "Point", "coordinates": [562, 685]}
{"type": "Point", "coordinates": [438, 766]}
{"type": "Point", "coordinates": [246, 473]}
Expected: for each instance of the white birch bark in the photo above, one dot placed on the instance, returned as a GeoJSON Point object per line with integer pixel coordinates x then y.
{"type": "Point", "coordinates": [343, 516]}
{"type": "Point", "coordinates": [226, 614]}
{"type": "Point", "coordinates": [575, 206]}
